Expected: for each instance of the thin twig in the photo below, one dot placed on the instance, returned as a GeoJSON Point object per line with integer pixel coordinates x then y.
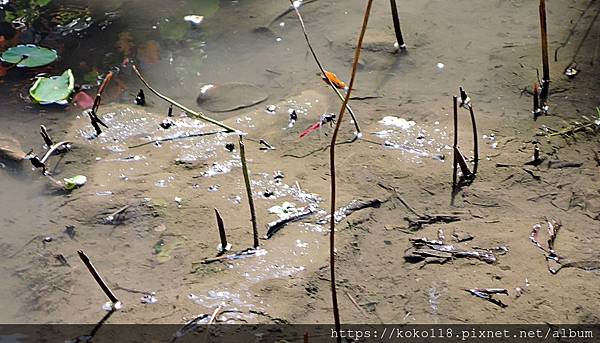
{"type": "Point", "coordinates": [170, 139]}
{"type": "Point", "coordinates": [397, 29]}
{"type": "Point", "coordinates": [97, 277]}
{"type": "Point", "coordinates": [182, 107]}
{"type": "Point", "coordinates": [249, 192]}
{"type": "Point", "coordinates": [345, 102]}
{"type": "Point", "coordinates": [336, 313]}
{"type": "Point", "coordinates": [356, 304]}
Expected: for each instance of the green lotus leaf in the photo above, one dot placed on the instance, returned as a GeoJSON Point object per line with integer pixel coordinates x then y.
{"type": "Point", "coordinates": [29, 56]}
{"type": "Point", "coordinates": [54, 89]}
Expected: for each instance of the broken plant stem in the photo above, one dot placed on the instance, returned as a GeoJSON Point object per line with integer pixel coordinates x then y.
{"type": "Point", "coordinates": [327, 79]}
{"type": "Point", "coordinates": [100, 91]}
{"type": "Point", "coordinates": [545, 64]}
{"type": "Point", "coordinates": [46, 136]}
{"type": "Point", "coordinates": [97, 277]}
{"type": "Point", "coordinates": [455, 144]}
{"type": "Point", "coordinates": [52, 149]}
{"type": "Point", "coordinates": [475, 141]}
{"type": "Point", "coordinates": [336, 312]}
{"type": "Point", "coordinates": [182, 107]}
{"type": "Point", "coordinates": [397, 29]}
{"type": "Point", "coordinates": [222, 234]}
{"type": "Point", "coordinates": [248, 191]}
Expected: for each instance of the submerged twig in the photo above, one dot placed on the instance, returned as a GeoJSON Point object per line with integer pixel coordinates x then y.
{"type": "Point", "coordinates": [336, 313]}
{"type": "Point", "coordinates": [186, 109]}
{"type": "Point", "coordinates": [275, 226]}
{"type": "Point", "coordinates": [249, 192]}
{"type": "Point", "coordinates": [170, 139]}
{"type": "Point", "coordinates": [323, 71]}
{"type": "Point", "coordinates": [97, 277]}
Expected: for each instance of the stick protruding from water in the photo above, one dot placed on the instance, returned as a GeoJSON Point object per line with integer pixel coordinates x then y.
{"type": "Point", "coordinates": [86, 260]}
{"type": "Point", "coordinates": [397, 28]}
{"type": "Point", "coordinates": [249, 191]}
{"type": "Point", "coordinates": [545, 64]}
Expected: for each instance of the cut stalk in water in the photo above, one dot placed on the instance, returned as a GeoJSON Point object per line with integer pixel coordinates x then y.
{"type": "Point", "coordinates": [336, 312]}
{"type": "Point", "coordinates": [100, 91]}
{"type": "Point", "coordinates": [545, 63]}
{"type": "Point", "coordinates": [397, 29]}
{"type": "Point", "coordinates": [323, 71]}
{"type": "Point", "coordinates": [97, 277]}
{"type": "Point", "coordinates": [249, 192]}
{"type": "Point", "coordinates": [224, 245]}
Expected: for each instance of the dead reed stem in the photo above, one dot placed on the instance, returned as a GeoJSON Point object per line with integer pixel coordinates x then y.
{"type": "Point", "coordinates": [397, 29]}
{"type": "Point", "coordinates": [455, 144]}
{"type": "Point", "coordinates": [475, 141]}
{"type": "Point", "coordinates": [249, 192]}
{"type": "Point", "coordinates": [100, 91]}
{"type": "Point", "coordinates": [336, 312]}
{"type": "Point", "coordinates": [314, 54]}
{"type": "Point", "coordinates": [182, 107]}
{"type": "Point", "coordinates": [97, 277]}
{"type": "Point", "coordinates": [545, 64]}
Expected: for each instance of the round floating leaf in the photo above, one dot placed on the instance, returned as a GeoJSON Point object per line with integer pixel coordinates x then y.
{"type": "Point", "coordinates": [29, 56]}
{"type": "Point", "coordinates": [54, 89]}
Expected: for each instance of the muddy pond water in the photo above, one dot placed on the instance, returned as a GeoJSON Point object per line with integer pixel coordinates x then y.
{"type": "Point", "coordinates": [248, 62]}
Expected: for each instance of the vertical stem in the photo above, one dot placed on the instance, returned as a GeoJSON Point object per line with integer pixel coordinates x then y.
{"type": "Point", "coordinates": [249, 191]}
{"type": "Point", "coordinates": [222, 235]}
{"type": "Point", "coordinates": [536, 100]}
{"type": "Point", "coordinates": [397, 29]}
{"type": "Point", "coordinates": [336, 311]}
{"type": "Point", "coordinates": [455, 145]}
{"type": "Point", "coordinates": [545, 64]}
{"type": "Point", "coordinates": [475, 142]}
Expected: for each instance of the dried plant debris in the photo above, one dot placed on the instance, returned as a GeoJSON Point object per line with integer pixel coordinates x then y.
{"type": "Point", "coordinates": [488, 294]}
{"type": "Point", "coordinates": [418, 223]}
{"type": "Point", "coordinates": [353, 206]}
{"type": "Point", "coordinates": [275, 226]}
{"type": "Point", "coordinates": [436, 251]}
{"type": "Point", "coordinates": [555, 261]}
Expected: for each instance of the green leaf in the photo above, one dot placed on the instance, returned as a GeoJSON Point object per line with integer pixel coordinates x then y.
{"type": "Point", "coordinates": [54, 89]}
{"type": "Point", "coordinates": [74, 182]}
{"type": "Point", "coordinates": [29, 56]}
